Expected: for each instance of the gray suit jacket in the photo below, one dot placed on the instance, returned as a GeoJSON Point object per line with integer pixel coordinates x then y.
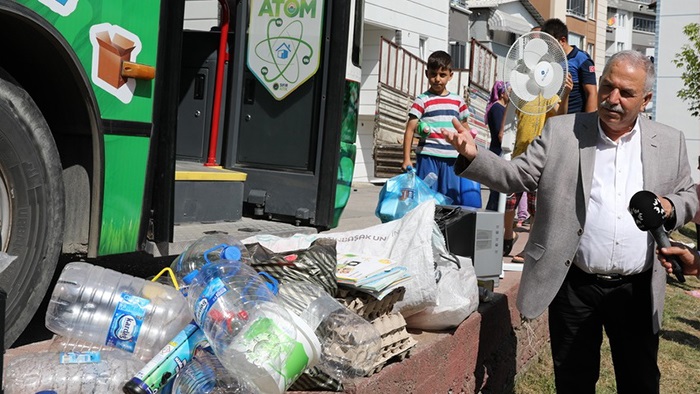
{"type": "Point", "coordinates": [559, 165]}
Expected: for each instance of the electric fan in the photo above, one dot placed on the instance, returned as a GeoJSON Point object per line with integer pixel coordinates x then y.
{"type": "Point", "coordinates": [535, 68]}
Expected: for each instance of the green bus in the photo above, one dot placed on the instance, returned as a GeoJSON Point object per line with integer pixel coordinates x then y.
{"type": "Point", "coordinates": [120, 129]}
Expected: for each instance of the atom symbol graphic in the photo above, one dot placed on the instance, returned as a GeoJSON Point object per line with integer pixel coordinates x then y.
{"type": "Point", "coordinates": [285, 52]}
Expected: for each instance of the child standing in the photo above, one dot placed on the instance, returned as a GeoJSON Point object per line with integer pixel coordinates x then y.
{"type": "Point", "coordinates": [436, 108]}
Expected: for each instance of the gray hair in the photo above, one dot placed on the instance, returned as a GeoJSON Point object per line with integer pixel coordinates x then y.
{"type": "Point", "coordinates": [637, 59]}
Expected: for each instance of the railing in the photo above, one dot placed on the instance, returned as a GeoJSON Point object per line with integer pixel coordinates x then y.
{"type": "Point", "coordinates": [483, 64]}
{"type": "Point", "coordinates": [403, 71]}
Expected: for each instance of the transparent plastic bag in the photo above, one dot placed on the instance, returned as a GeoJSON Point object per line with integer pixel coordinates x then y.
{"type": "Point", "coordinates": [404, 192]}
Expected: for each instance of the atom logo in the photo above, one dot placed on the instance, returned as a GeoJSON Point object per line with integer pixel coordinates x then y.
{"type": "Point", "coordinates": [284, 52]}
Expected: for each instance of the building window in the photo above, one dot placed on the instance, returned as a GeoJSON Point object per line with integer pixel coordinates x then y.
{"type": "Point", "coordinates": [643, 23]}
{"type": "Point", "coordinates": [458, 51]}
{"type": "Point", "coordinates": [591, 9]}
{"type": "Point", "coordinates": [590, 48]}
{"type": "Point", "coordinates": [576, 39]}
{"type": "Point", "coordinates": [421, 47]}
{"type": "Point", "coordinates": [576, 7]}
{"type": "Point", "coordinates": [621, 18]}
{"type": "Point", "coordinates": [620, 46]}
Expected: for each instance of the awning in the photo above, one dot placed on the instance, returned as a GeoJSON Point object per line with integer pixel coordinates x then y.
{"type": "Point", "coordinates": [506, 22]}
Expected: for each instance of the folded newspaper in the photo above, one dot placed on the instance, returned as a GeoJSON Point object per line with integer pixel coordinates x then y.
{"type": "Point", "coordinates": [372, 275]}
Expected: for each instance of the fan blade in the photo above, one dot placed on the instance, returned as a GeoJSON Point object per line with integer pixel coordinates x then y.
{"type": "Point", "coordinates": [534, 50]}
{"type": "Point", "coordinates": [557, 78]}
{"type": "Point", "coordinates": [519, 83]}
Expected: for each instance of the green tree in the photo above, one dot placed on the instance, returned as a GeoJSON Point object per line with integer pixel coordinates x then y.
{"type": "Point", "coordinates": [687, 60]}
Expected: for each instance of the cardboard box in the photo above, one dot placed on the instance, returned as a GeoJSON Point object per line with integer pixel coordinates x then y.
{"type": "Point", "coordinates": [111, 54]}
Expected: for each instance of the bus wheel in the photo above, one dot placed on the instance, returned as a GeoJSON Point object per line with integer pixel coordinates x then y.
{"type": "Point", "coordinates": [31, 205]}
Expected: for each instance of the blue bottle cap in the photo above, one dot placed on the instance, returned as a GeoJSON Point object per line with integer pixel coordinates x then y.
{"type": "Point", "coordinates": [231, 253]}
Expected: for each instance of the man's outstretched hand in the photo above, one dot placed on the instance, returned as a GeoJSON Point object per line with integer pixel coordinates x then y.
{"type": "Point", "coordinates": [461, 140]}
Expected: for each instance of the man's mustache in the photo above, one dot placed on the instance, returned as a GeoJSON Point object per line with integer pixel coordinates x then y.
{"type": "Point", "coordinates": [614, 108]}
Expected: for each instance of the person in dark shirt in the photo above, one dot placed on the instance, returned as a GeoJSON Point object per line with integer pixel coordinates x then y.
{"type": "Point", "coordinates": [583, 96]}
{"type": "Point", "coordinates": [494, 118]}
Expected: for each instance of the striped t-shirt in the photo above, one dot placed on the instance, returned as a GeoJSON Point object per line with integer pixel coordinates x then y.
{"type": "Point", "coordinates": [438, 112]}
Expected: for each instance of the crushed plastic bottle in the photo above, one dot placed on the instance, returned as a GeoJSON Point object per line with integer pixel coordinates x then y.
{"type": "Point", "coordinates": [350, 344]}
{"type": "Point", "coordinates": [70, 373]}
{"type": "Point", "coordinates": [106, 307]}
{"type": "Point", "coordinates": [249, 330]}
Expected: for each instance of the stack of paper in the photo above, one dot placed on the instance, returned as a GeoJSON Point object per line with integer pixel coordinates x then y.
{"type": "Point", "coordinates": [372, 275]}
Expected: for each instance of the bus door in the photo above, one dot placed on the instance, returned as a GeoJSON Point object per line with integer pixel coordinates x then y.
{"type": "Point", "coordinates": [286, 105]}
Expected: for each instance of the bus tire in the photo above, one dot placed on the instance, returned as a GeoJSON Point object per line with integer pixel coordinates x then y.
{"type": "Point", "coordinates": [32, 211]}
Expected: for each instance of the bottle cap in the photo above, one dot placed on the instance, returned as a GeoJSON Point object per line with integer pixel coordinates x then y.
{"type": "Point", "coordinates": [231, 253]}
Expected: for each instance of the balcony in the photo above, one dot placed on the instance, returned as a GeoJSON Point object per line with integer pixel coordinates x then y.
{"type": "Point", "coordinates": [610, 33]}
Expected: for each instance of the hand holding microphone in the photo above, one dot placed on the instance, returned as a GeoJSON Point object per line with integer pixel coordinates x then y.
{"type": "Point", "coordinates": [648, 214]}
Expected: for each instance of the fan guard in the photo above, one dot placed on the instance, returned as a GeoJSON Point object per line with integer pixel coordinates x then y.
{"type": "Point", "coordinates": [535, 68]}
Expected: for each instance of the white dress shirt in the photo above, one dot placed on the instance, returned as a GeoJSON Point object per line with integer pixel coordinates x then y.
{"type": "Point", "coordinates": [611, 242]}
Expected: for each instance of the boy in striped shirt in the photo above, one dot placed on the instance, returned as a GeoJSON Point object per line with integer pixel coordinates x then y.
{"type": "Point", "coordinates": [435, 109]}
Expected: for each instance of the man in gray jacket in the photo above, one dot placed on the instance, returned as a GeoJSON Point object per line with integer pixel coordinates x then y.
{"type": "Point", "coordinates": [585, 259]}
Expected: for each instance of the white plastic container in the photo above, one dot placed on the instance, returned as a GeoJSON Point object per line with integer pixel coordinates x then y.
{"type": "Point", "coordinates": [251, 333]}
{"type": "Point", "coordinates": [103, 306]}
{"type": "Point", "coordinates": [70, 373]}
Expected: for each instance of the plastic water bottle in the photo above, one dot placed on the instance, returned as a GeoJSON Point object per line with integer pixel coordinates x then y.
{"type": "Point", "coordinates": [350, 344]}
{"type": "Point", "coordinates": [423, 129]}
{"type": "Point", "coordinates": [102, 306]}
{"type": "Point", "coordinates": [249, 330]}
{"type": "Point", "coordinates": [206, 375]}
{"type": "Point", "coordinates": [408, 189]}
{"type": "Point", "coordinates": [70, 373]}
{"type": "Point", "coordinates": [430, 179]}
{"type": "Point", "coordinates": [208, 249]}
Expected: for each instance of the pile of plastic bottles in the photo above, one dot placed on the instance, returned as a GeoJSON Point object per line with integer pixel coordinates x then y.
{"type": "Point", "coordinates": [222, 328]}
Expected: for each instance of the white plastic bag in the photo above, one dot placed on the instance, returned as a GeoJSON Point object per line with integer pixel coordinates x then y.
{"type": "Point", "coordinates": [457, 290]}
{"type": "Point", "coordinates": [407, 241]}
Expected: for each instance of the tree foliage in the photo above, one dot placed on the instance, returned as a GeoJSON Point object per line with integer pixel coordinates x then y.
{"type": "Point", "coordinates": [688, 61]}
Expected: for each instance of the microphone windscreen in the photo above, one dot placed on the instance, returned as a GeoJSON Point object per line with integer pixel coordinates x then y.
{"type": "Point", "coordinates": [646, 210]}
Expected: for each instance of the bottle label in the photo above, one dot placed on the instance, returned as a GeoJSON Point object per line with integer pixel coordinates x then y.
{"type": "Point", "coordinates": [90, 357]}
{"type": "Point", "coordinates": [126, 322]}
{"type": "Point", "coordinates": [167, 363]}
{"type": "Point", "coordinates": [215, 289]}
{"type": "Point", "coordinates": [269, 347]}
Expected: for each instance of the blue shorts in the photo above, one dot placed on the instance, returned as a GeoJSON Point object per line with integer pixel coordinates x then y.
{"type": "Point", "coordinates": [462, 191]}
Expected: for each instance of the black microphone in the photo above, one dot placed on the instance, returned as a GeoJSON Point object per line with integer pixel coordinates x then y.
{"type": "Point", "coordinates": [648, 214]}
